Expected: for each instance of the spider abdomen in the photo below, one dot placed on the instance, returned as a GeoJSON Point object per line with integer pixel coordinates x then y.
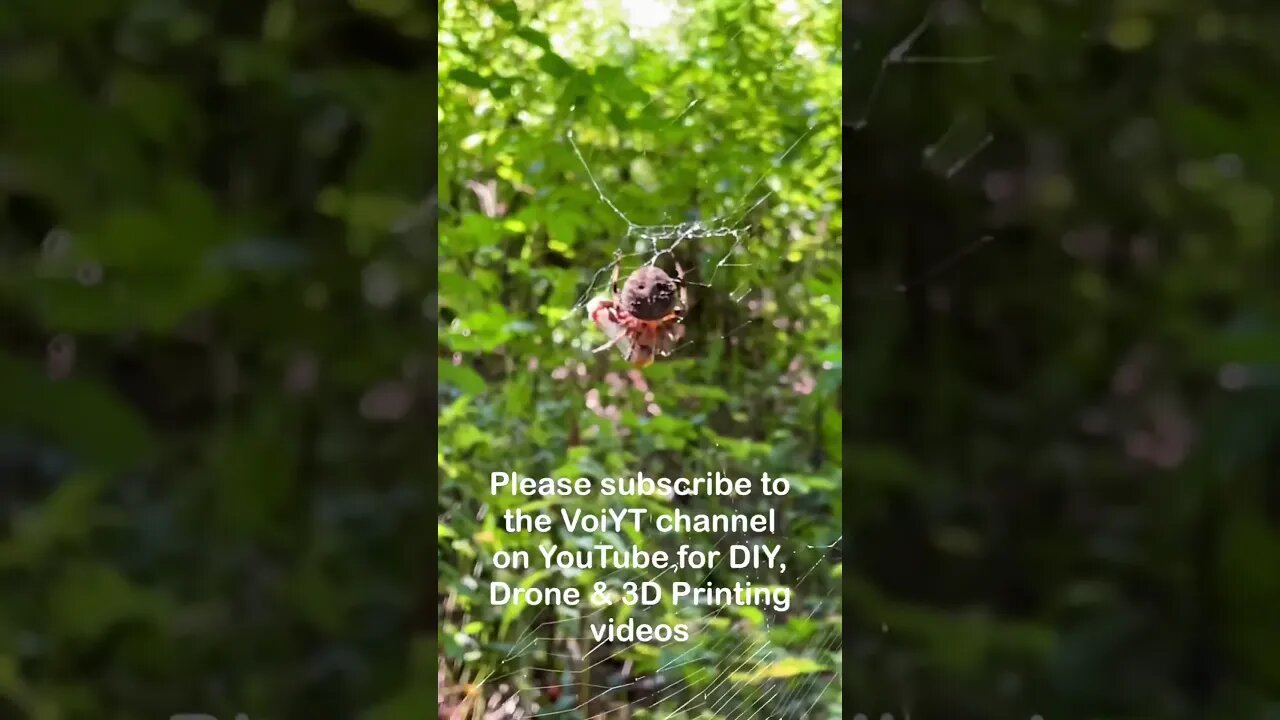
{"type": "Point", "coordinates": [649, 293]}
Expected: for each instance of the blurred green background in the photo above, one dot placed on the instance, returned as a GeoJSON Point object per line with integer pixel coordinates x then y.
{"type": "Point", "coordinates": [1062, 472]}
{"type": "Point", "coordinates": [215, 247]}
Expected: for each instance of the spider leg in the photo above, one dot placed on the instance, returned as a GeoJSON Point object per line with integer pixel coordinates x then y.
{"type": "Point", "coordinates": [603, 313]}
{"type": "Point", "coordinates": [613, 341]}
{"type": "Point", "coordinates": [617, 267]}
{"type": "Point", "coordinates": [666, 343]}
{"type": "Point", "coordinates": [665, 347]}
{"type": "Point", "coordinates": [684, 292]}
{"type": "Point", "coordinates": [680, 281]}
{"type": "Point", "coordinates": [683, 284]}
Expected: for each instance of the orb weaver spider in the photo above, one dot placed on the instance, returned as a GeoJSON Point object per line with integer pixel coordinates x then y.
{"type": "Point", "coordinates": [644, 318]}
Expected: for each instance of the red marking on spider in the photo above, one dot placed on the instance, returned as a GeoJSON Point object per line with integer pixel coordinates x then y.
{"type": "Point", "coordinates": [643, 318]}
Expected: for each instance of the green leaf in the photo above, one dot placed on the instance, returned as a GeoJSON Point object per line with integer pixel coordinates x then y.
{"type": "Point", "coordinates": [519, 396]}
{"type": "Point", "coordinates": [780, 670]}
{"type": "Point", "coordinates": [554, 65]}
{"type": "Point", "coordinates": [512, 611]}
{"type": "Point", "coordinates": [507, 11]}
{"type": "Point", "coordinates": [470, 78]}
{"type": "Point", "coordinates": [90, 598]}
{"type": "Point", "coordinates": [832, 435]}
{"type": "Point", "coordinates": [535, 37]}
{"type": "Point", "coordinates": [87, 419]}
{"type": "Point", "coordinates": [67, 517]}
{"type": "Point", "coordinates": [562, 230]}
{"type": "Point", "coordinates": [462, 377]}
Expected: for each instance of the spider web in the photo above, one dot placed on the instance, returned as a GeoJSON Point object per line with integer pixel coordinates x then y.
{"type": "Point", "coordinates": [703, 677]}
{"type": "Point", "coordinates": [651, 243]}
{"type": "Point", "coordinates": [722, 237]}
{"type": "Point", "coordinates": [684, 683]}
{"type": "Point", "coordinates": [648, 244]}
{"type": "Point", "coordinates": [725, 235]}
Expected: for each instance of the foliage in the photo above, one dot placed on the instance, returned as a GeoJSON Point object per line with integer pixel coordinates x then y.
{"type": "Point", "coordinates": [217, 267]}
{"type": "Point", "coordinates": [210, 495]}
{"type": "Point", "coordinates": [1062, 486]}
{"type": "Point", "coordinates": [730, 116]}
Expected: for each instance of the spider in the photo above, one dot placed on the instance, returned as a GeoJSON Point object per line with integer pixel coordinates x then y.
{"type": "Point", "coordinates": [644, 318]}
